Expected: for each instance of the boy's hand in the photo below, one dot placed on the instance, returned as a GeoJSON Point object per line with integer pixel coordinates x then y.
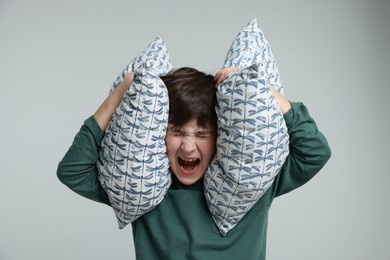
{"type": "Point", "coordinates": [224, 73]}
{"type": "Point", "coordinates": [282, 101]}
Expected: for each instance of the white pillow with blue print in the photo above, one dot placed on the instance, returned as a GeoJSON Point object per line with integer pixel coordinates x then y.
{"type": "Point", "coordinates": [251, 47]}
{"type": "Point", "coordinates": [133, 167]}
{"type": "Point", "coordinates": [156, 54]}
{"type": "Point", "coordinates": [253, 142]}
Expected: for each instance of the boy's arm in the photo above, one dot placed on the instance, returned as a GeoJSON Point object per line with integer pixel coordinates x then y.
{"type": "Point", "coordinates": [106, 110]}
{"type": "Point", "coordinates": [77, 169]}
{"type": "Point", "coordinates": [309, 150]}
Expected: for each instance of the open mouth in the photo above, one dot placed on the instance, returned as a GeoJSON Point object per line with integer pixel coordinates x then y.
{"type": "Point", "coordinates": [188, 166]}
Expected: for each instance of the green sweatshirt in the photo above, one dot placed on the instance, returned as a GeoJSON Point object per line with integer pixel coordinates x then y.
{"type": "Point", "coordinates": [181, 226]}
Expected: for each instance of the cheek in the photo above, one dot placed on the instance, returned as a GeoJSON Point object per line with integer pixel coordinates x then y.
{"type": "Point", "coordinates": [208, 147]}
{"type": "Point", "coordinates": [172, 144]}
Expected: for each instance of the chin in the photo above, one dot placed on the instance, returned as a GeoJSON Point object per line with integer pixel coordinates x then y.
{"type": "Point", "coordinates": [188, 180]}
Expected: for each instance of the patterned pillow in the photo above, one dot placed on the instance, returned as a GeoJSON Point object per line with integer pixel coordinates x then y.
{"type": "Point", "coordinates": [251, 47]}
{"type": "Point", "coordinates": [252, 146]}
{"type": "Point", "coordinates": [157, 56]}
{"type": "Point", "coordinates": [133, 166]}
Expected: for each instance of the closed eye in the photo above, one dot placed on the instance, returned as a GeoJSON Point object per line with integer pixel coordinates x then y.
{"type": "Point", "coordinates": [204, 134]}
{"type": "Point", "coordinates": [175, 133]}
{"type": "Point", "coordinates": [201, 133]}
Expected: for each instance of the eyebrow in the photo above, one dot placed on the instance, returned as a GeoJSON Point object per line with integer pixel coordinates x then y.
{"type": "Point", "coordinates": [198, 132]}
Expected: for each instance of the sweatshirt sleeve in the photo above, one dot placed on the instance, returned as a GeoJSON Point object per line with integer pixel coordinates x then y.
{"type": "Point", "coordinates": [77, 170]}
{"type": "Point", "coordinates": [309, 150]}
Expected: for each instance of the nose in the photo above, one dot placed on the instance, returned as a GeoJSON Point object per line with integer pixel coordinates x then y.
{"type": "Point", "coordinates": [188, 144]}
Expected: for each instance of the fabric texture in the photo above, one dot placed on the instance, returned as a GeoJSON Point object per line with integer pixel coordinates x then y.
{"type": "Point", "coordinates": [252, 47]}
{"type": "Point", "coordinates": [252, 146]}
{"type": "Point", "coordinates": [133, 167]}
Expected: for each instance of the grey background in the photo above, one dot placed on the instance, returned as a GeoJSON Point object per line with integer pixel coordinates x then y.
{"type": "Point", "coordinates": [59, 58]}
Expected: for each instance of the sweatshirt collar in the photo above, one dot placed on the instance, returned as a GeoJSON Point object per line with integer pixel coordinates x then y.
{"type": "Point", "coordinates": [177, 185]}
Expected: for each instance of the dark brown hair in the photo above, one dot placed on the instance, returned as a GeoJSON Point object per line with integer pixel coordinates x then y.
{"type": "Point", "coordinates": [191, 95]}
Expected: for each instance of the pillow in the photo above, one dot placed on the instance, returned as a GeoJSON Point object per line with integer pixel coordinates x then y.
{"type": "Point", "coordinates": [252, 145]}
{"type": "Point", "coordinates": [133, 167]}
{"type": "Point", "coordinates": [251, 47]}
{"type": "Point", "coordinates": [156, 54]}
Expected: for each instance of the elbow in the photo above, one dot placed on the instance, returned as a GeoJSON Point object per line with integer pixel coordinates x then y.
{"type": "Point", "coordinates": [323, 157]}
{"type": "Point", "coordinates": [322, 153]}
{"type": "Point", "coordinates": [326, 153]}
{"type": "Point", "coordinates": [316, 159]}
{"type": "Point", "coordinates": [61, 173]}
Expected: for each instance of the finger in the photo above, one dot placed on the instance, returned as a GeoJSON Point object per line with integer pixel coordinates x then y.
{"type": "Point", "coordinates": [218, 74]}
{"type": "Point", "coordinates": [220, 79]}
{"type": "Point", "coordinates": [224, 73]}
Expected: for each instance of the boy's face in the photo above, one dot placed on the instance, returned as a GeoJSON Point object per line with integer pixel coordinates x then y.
{"type": "Point", "coordinates": [190, 150]}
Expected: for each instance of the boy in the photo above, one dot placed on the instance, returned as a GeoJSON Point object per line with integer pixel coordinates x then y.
{"type": "Point", "coordinates": [181, 226]}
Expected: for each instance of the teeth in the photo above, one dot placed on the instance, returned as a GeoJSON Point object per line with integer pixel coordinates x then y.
{"type": "Point", "coordinates": [188, 160]}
